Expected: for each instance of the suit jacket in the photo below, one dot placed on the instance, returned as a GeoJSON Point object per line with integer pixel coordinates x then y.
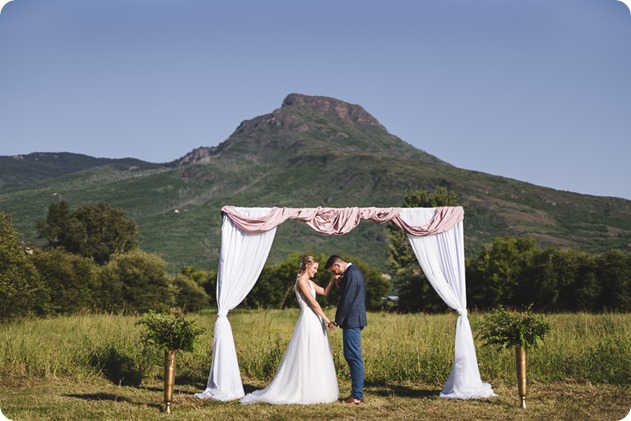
{"type": "Point", "coordinates": [351, 310]}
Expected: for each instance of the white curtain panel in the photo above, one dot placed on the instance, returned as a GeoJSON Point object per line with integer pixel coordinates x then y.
{"type": "Point", "coordinates": [241, 260]}
{"type": "Point", "coordinates": [441, 257]}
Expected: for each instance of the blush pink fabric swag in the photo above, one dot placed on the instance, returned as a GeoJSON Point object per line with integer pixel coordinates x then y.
{"type": "Point", "coordinates": [340, 221]}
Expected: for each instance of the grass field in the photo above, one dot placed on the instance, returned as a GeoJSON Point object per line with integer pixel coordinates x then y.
{"type": "Point", "coordinates": [92, 367]}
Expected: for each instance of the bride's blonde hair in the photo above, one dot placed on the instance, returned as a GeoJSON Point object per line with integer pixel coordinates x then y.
{"type": "Point", "coordinates": [305, 262]}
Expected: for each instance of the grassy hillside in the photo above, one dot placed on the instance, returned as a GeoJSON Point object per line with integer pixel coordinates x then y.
{"type": "Point", "coordinates": [18, 170]}
{"type": "Point", "coordinates": [313, 151]}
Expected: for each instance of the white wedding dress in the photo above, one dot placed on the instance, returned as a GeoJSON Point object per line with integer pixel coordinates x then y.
{"type": "Point", "coordinates": [306, 374]}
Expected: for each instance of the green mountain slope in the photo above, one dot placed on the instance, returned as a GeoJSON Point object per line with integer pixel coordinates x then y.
{"type": "Point", "coordinates": [25, 169]}
{"type": "Point", "coordinates": [312, 151]}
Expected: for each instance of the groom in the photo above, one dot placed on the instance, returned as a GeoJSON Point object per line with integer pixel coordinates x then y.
{"type": "Point", "coordinates": [351, 317]}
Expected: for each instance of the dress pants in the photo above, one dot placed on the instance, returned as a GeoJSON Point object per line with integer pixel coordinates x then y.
{"type": "Point", "coordinates": [353, 355]}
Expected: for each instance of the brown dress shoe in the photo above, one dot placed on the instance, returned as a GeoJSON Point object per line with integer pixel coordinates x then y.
{"type": "Point", "coordinates": [352, 401]}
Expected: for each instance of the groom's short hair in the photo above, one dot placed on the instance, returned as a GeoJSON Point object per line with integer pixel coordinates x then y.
{"type": "Point", "coordinates": [332, 260]}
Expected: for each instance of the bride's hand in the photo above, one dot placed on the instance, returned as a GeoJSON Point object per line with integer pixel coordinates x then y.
{"type": "Point", "coordinates": [338, 280]}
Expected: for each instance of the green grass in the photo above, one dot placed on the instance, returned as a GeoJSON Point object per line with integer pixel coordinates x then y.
{"type": "Point", "coordinates": [93, 367]}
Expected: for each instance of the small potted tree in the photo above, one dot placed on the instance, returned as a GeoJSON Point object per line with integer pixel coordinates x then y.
{"type": "Point", "coordinates": [519, 330]}
{"type": "Point", "coordinates": [170, 332]}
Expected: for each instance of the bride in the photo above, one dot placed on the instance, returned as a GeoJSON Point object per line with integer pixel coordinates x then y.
{"type": "Point", "coordinates": [306, 374]}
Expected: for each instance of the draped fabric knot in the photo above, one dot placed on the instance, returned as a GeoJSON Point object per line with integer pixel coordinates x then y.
{"type": "Point", "coordinates": [222, 313]}
{"type": "Point", "coordinates": [462, 312]}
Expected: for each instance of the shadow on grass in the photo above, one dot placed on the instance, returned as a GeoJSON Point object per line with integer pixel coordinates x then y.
{"type": "Point", "coordinates": [379, 390]}
{"type": "Point", "coordinates": [119, 368]}
{"type": "Point", "coordinates": [403, 391]}
{"type": "Point", "coordinates": [188, 379]}
{"type": "Point", "coordinates": [248, 388]}
{"type": "Point", "coordinates": [101, 396]}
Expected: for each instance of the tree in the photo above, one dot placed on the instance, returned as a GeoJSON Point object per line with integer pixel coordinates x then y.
{"type": "Point", "coordinates": [70, 278]}
{"type": "Point", "coordinates": [613, 269]}
{"type": "Point", "coordinates": [21, 289]}
{"type": "Point", "coordinates": [377, 285]}
{"type": "Point", "coordinates": [275, 286]}
{"type": "Point", "coordinates": [494, 277]}
{"type": "Point", "coordinates": [93, 231]}
{"type": "Point", "coordinates": [56, 225]}
{"type": "Point", "coordinates": [414, 291]}
{"type": "Point", "coordinates": [206, 279]}
{"type": "Point", "coordinates": [587, 288]}
{"type": "Point", "coordinates": [136, 281]}
{"type": "Point", "coordinates": [189, 295]}
{"type": "Point", "coordinates": [553, 281]}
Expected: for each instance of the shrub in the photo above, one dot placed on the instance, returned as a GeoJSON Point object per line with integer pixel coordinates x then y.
{"type": "Point", "coordinates": [169, 331]}
{"type": "Point", "coordinates": [511, 329]}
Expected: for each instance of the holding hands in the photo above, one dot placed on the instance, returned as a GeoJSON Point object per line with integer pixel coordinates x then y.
{"type": "Point", "coordinates": [335, 280]}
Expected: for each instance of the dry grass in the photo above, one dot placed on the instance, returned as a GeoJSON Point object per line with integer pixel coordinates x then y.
{"type": "Point", "coordinates": [35, 400]}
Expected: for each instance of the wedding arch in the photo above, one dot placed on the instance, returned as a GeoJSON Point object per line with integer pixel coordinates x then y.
{"type": "Point", "coordinates": [436, 236]}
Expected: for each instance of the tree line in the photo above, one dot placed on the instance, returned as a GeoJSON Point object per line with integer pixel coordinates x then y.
{"type": "Point", "coordinates": [91, 262]}
{"type": "Point", "coordinates": [514, 272]}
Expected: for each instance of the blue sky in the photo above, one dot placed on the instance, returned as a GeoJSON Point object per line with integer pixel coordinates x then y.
{"type": "Point", "coordinates": [535, 90]}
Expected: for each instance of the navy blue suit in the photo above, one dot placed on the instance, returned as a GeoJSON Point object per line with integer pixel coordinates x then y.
{"type": "Point", "coordinates": [351, 317]}
{"type": "Point", "coordinates": [351, 310]}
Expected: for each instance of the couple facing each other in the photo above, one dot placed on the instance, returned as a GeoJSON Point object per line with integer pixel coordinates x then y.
{"type": "Point", "coordinates": [307, 374]}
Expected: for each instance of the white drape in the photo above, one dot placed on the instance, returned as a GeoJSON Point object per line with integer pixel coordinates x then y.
{"type": "Point", "coordinates": [241, 260]}
{"type": "Point", "coordinates": [441, 257]}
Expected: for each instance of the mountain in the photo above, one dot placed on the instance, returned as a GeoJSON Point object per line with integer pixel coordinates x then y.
{"type": "Point", "coordinates": [312, 151]}
{"type": "Point", "coordinates": [18, 170]}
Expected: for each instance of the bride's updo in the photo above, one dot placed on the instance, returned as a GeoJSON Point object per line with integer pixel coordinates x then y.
{"type": "Point", "coordinates": [305, 262]}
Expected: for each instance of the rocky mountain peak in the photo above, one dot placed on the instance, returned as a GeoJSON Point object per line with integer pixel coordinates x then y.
{"type": "Point", "coordinates": [348, 113]}
{"type": "Point", "coordinates": [198, 155]}
{"type": "Point", "coordinates": [317, 123]}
